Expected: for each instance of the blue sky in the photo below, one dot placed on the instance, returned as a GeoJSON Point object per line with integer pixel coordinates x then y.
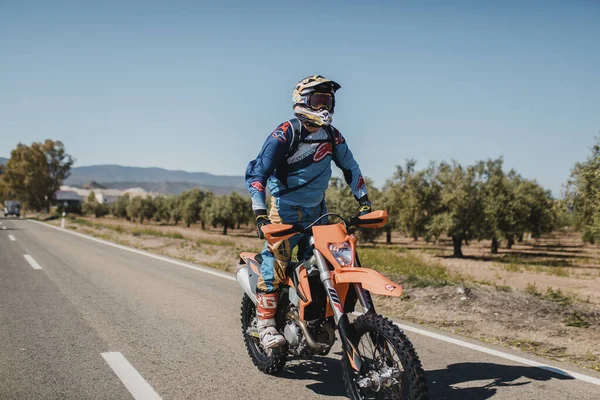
{"type": "Point", "coordinates": [198, 87]}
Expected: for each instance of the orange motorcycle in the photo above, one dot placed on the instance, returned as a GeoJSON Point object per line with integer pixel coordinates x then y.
{"type": "Point", "coordinates": [378, 360]}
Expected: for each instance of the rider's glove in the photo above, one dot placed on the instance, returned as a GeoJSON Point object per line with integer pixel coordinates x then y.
{"type": "Point", "coordinates": [364, 206]}
{"type": "Point", "coordinates": [261, 220]}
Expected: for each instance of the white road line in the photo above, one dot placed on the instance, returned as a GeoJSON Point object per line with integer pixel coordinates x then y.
{"type": "Point", "coordinates": [4, 227]}
{"type": "Point", "coordinates": [32, 262]}
{"type": "Point", "coordinates": [419, 331]}
{"type": "Point", "coordinates": [11, 237]}
{"type": "Point", "coordinates": [144, 253]}
{"type": "Point", "coordinates": [133, 381]}
{"type": "Point", "coordinates": [500, 354]}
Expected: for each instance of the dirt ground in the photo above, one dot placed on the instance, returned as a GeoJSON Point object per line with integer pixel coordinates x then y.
{"type": "Point", "coordinates": [542, 296]}
{"type": "Point", "coordinates": [560, 261]}
{"type": "Point", "coordinates": [511, 318]}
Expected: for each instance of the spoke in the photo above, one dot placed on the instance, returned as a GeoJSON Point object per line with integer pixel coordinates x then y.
{"type": "Point", "coordinates": [374, 338]}
{"type": "Point", "coordinates": [364, 351]}
{"type": "Point", "coordinates": [378, 352]}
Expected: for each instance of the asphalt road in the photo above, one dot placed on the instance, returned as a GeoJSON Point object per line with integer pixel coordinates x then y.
{"type": "Point", "coordinates": [179, 329]}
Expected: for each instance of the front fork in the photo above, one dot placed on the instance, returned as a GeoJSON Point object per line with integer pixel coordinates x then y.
{"type": "Point", "coordinates": [345, 328]}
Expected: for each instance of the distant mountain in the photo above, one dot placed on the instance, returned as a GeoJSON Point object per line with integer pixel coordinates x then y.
{"type": "Point", "coordinates": [172, 187]}
{"type": "Point", "coordinates": [156, 180]}
{"type": "Point", "coordinates": [93, 185]}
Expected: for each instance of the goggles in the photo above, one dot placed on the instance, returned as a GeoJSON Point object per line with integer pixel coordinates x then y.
{"type": "Point", "coordinates": [318, 101]}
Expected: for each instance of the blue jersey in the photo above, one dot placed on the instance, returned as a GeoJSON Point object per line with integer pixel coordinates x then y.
{"type": "Point", "coordinates": [296, 166]}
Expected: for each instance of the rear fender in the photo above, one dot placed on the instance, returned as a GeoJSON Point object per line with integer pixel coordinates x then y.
{"type": "Point", "coordinates": [370, 280]}
{"type": "Point", "coordinates": [253, 267]}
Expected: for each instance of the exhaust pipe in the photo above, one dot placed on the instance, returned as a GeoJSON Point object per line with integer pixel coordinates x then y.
{"type": "Point", "coordinates": [310, 341]}
{"type": "Point", "coordinates": [241, 276]}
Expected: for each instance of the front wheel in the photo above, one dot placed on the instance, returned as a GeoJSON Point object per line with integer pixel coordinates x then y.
{"type": "Point", "coordinates": [391, 368]}
{"type": "Point", "coordinates": [268, 361]}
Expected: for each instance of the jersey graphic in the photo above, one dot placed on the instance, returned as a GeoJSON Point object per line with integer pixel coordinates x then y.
{"type": "Point", "coordinates": [300, 178]}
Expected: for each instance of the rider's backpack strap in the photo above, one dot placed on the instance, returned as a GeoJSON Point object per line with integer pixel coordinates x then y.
{"type": "Point", "coordinates": [296, 136]}
{"type": "Point", "coordinates": [331, 137]}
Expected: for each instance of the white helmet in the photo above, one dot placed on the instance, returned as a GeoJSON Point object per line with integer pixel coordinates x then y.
{"type": "Point", "coordinates": [314, 100]}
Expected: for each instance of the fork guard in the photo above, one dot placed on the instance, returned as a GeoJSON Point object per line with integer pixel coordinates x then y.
{"type": "Point", "coordinates": [370, 280]}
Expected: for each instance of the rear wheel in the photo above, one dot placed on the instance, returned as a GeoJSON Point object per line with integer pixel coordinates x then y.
{"type": "Point", "coordinates": [385, 351]}
{"type": "Point", "coordinates": [268, 361]}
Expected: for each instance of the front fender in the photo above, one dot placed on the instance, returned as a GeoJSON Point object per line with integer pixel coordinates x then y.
{"type": "Point", "coordinates": [370, 280]}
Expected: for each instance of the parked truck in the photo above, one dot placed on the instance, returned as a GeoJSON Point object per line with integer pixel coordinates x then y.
{"type": "Point", "coordinates": [12, 207]}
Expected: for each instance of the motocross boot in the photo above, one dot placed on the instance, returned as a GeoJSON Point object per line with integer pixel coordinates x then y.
{"type": "Point", "coordinates": [266, 308]}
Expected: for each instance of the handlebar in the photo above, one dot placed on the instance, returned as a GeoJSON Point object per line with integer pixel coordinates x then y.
{"type": "Point", "coordinates": [374, 220]}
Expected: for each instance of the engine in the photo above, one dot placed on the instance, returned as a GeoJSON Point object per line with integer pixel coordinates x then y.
{"type": "Point", "coordinates": [293, 335]}
{"type": "Point", "coordinates": [308, 338]}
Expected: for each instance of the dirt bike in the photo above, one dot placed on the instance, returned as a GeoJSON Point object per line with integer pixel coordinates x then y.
{"type": "Point", "coordinates": [316, 298]}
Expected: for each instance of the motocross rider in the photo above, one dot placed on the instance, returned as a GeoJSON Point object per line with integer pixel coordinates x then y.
{"type": "Point", "coordinates": [295, 164]}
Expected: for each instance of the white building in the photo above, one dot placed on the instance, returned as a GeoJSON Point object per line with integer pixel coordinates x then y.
{"type": "Point", "coordinates": [106, 198]}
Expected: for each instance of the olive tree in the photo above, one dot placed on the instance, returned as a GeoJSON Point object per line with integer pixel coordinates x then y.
{"type": "Point", "coordinates": [91, 206]}
{"type": "Point", "coordinates": [134, 206]}
{"type": "Point", "coordinates": [242, 209]}
{"type": "Point", "coordinates": [584, 195]}
{"type": "Point", "coordinates": [498, 202]}
{"type": "Point", "coordinates": [147, 209]}
{"type": "Point", "coordinates": [221, 213]}
{"type": "Point", "coordinates": [460, 214]}
{"type": "Point", "coordinates": [162, 209]}
{"type": "Point", "coordinates": [119, 207]}
{"type": "Point", "coordinates": [412, 198]}
{"type": "Point", "coordinates": [191, 205]}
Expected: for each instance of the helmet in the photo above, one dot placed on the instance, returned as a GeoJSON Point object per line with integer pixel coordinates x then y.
{"type": "Point", "coordinates": [314, 100]}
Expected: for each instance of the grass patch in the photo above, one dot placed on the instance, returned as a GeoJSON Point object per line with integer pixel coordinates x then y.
{"type": "Point", "coordinates": [525, 345]}
{"type": "Point", "coordinates": [85, 222]}
{"type": "Point", "coordinates": [412, 269]}
{"type": "Point", "coordinates": [533, 260]}
{"type": "Point", "coordinates": [537, 268]}
{"type": "Point", "coordinates": [503, 288]}
{"type": "Point", "coordinates": [223, 266]}
{"type": "Point", "coordinates": [214, 242]}
{"type": "Point", "coordinates": [532, 289]}
{"type": "Point", "coordinates": [530, 346]}
{"type": "Point", "coordinates": [516, 263]}
{"type": "Point", "coordinates": [512, 267]}
{"type": "Point", "coordinates": [137, 232]}
{"type": "Point", "coordinates": [577, 320]}
{"type": "Point", "coordinates": [209, 251]}
{"type": "Point", "coordinates": [155, 232]}
{"type": "Point", "coordinates": [557, 296]}
{"type": "Point", "coordinates": [558, 271]}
